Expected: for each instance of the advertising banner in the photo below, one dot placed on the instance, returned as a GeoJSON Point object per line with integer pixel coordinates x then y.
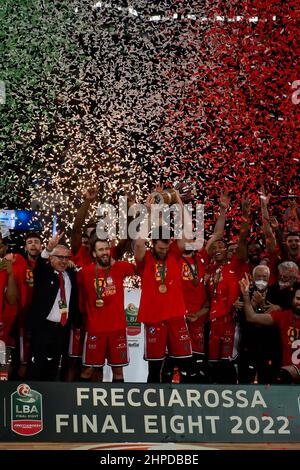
{"type": "Point", "coordinates": [66, 412]}
{"type": "Point", "coordinates": [137, 370]}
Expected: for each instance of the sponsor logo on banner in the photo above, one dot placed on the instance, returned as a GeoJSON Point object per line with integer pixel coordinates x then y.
{"type": "Point", "coordinates": [26, 411]}
{"type": "Point", "coordinates": [133, 327]}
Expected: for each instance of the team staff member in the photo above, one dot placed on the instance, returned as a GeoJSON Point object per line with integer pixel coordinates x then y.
{"type": "Point", "coordinates": [101, 287]}
{"type": "Point", "coordinates": [53, 310]}
{"type": "Point", "coordinates": [260, 348]}
{"type": "Point", "coordinates": [288, 323]}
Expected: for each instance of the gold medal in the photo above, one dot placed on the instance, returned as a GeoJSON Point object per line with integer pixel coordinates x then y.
{"type": "Point", "coordinates": [99, 303]}
{"type": "Point", "coordinates": [162, 289]}
{"type": "Point", "coordinates": [195, 281]}
{"type": "Point", "coordinates": [29, 277]}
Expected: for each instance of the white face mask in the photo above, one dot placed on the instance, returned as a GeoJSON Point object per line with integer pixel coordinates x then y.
{"type": "Point", "coordinates": [261, 285]}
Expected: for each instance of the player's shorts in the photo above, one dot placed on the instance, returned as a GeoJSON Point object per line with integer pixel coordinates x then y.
{"type": "Point", "coordinates": [223, 339]}
{"type": "Point", "coordinates": [5, 329]}
{"type": "Point", "coordinates": [196, 330]}
{"type": "Point", "coordinates": [111, 345]}
{"type": "Point", "coordinates": [76, 342]}
{"type": "Point", "coordinates": [171, 336]}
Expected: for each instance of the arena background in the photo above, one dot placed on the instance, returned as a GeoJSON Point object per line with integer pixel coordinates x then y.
{"type": "Point", "coordinates": [124, 94]}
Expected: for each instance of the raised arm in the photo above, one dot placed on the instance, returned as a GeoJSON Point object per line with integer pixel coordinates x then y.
{"type": "Point", "coordinates": [220, 224]}
{"type": "Point", "coordinates": [140, 243]}
{"type": "Point", "coordinates": [242, 252]}
{"type": "Point", "coordinates": [42, 259]}
{"type": "Point", "coordinates": [277, 233]}
{"type": "Point", "coordinates": [293, 222]}
{"type": "Point", "coordinates": [267, 229]}
{"type": "Point", "coordinates": [89, 197]}
{"type": "Point", "coordinates": [258, 318]}
{"type": "Point", "coordinates": [125, 243]}
{"type": "Point", "coordinates": [186, 224]}
{"type": "Point", "coordinates": [12, 290]}
{"type": "Point", "coordinates": [52, 243]}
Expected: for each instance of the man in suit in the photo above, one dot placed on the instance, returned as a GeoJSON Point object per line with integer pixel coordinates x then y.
{"type": "Point", "coordinates": [53, 311]}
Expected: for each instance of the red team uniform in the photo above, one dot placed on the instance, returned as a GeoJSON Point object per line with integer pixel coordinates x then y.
{"type": "Point", "coordinates": [223, 290]}
{"type": "Point", "coordinates": [26, 291]}
{"type": "Point", "coordinates": [3, 286]}
{"type": "Point", "coordinates": [106, 326]}
{"type": "Point", "coordinates": [9, 312]}
{"type": "Point", "coordinates": [240, 267]}
{"type": "Point", "coordinates": [289, 327]}
{"type": "Point", "coordinates": [195, 295]}
{"type": "Point", "coordinates": [163, 313]}
{"type": "Point", "coordinates": [82, 258]}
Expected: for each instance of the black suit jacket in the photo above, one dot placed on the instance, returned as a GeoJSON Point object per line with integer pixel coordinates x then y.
{"type": "Point", "coordinates": [46, 286]}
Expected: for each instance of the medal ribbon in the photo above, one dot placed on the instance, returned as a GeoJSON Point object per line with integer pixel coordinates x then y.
{"type": "Point", "coordinates": [30, 268]}
{"type": "Point", "coordinates": [99, 290]}
{"type": "Point", "coordinates": [194, 272]}
{"type": "Point", "coordinates": [216, 279]}
{"type": "Point", "coordinates": [162, 271]}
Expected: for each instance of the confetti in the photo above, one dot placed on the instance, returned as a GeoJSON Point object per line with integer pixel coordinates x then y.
{"type": "Point", "coordinates": [122, 97]}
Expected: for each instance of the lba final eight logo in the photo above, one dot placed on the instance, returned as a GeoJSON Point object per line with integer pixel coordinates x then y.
{"type": "Point", "coordinates": [26, 411]}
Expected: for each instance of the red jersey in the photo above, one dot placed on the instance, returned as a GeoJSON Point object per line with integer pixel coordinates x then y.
{"type": "Point", "coordinates": [82, 257]}
{"type": "Point", "coordinates": [194, 295]}
{"type": "Point", "coordinates": [3, 285]}
{"type": "Point", "coordinates": [154, 305]}
{"type": "Point", "coordinates": [18, 267]}
{"type": "Point", "coordinates": [27, 284]}
{"type": "Point", "coordinates": [111, 316]}
{"type": "Point", "coordinates": [239, 267]}
{"type": "Point", "coordinates": [223, 290]}
{"type": "Point", "coordinates": [289, 327]}
{"type": "Point", "coordinates": [273, 260]}
{"type": "Point", "coordinates": [9, 312]}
